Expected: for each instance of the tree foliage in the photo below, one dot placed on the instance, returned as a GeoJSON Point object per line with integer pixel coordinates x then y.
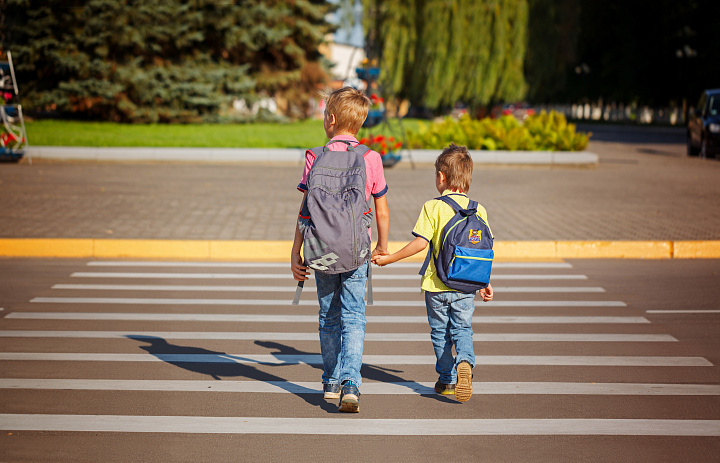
{"type": "Point", "coordinates": [438, 52]}
{"type": "Point", "coordinates": [647, 51]}
{"type": "Point", "coordinates": [163, 60]}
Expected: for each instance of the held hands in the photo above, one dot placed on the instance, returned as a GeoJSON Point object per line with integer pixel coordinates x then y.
{"type": "Point", "coordinates": [379, 257]}
{"type": "Point", "coordinates": [381, 261]}
{"type": "Point", "coordinates": [299, 271]}
{"type": "Point", "coordinates": [487, 293]}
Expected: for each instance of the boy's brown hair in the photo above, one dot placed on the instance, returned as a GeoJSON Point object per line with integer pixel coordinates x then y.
{"type": "Point", "coordinates": [350, 107]}
{"type": "Point", "coordinates": [457, 165]}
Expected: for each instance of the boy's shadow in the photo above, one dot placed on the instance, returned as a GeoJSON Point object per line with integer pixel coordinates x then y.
{"type": "Point", "coordinates": [369, 372]}
{"type": "Point", "coordinates": [226, 365]}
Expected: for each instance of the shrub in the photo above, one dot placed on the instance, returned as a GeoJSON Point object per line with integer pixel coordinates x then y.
{"type": "Point", "coordinates": [539, 132]}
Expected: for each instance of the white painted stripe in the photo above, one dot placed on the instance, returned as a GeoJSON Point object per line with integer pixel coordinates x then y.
{"type": "Point", "coordinates": [676, 311]}
{"type": "Point", "coordinates": [275, 289]}
{"type": "Point", "coordinates": [312, 359]}
{"type": "Point", "coordinates": [496, 265]}
{"type": "Point", "coordinates": [278, 276]}
{"type": "Point", "coordinates": [270, 302]}
{"type": "Point", "coordinates": [380, 427]}
{"type": "Point", "coordinates": [368, 388]}
{"type": "Point", "coordinates": [369, 337]}
{"type": "Point", "coordinates": [308, 318]}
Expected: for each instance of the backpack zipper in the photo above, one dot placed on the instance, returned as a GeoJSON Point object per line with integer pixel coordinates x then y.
{"type": "Point", "coordinates": [352, 213]}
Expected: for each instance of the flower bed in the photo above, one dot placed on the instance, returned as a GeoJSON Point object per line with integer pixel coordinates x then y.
{"type": "Point", "coordinates": [386, 146]}
{"type": "Point", "coordinates": [539, 132]}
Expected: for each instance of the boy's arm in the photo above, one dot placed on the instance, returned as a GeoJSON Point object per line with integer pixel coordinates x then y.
{"type": "Point", "coordinates": [299, 271]}
{"type": "Point", "coordinates": [410, 249]}
{"type": "Point", "coordinates": [382, 214]}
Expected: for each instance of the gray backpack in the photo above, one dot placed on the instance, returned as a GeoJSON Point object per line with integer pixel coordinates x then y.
{"type": "Point", "coordinates": [335, 217]}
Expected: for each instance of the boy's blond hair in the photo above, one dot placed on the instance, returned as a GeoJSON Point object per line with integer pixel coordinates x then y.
{"type": "Point", "coordinates": [457, 165]}
{"type": "Point", "coordinates": [350, 107]}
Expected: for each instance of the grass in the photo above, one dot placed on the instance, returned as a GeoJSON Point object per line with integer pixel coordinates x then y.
{"type": "Point", "coordinates": [291, 135]}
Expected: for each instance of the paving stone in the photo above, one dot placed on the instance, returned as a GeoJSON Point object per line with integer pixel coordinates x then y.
{"type": "Point", "coordinates": [639, 191]}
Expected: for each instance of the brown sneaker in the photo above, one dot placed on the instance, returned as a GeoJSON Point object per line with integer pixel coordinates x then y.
{"type": "Point", "coordinates": [463, 388]}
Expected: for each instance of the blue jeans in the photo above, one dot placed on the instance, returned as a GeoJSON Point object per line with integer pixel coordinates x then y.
{"type": "Point", "coordinates": [450, 317]}
{"type": "Point", "coordinates": [342, 324]}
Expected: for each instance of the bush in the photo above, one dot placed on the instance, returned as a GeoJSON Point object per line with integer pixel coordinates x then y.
{"type": "Point", "coordinates": [539, 132]}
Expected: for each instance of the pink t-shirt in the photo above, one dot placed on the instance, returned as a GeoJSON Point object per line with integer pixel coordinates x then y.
{"type": "Point", "coordinates": [376, 185]}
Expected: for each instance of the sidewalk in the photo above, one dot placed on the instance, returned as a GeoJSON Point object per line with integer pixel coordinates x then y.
{"type": "Point", "coordinates": [648, 194]}
{"type": "Point", "coordinates": [280, 155]}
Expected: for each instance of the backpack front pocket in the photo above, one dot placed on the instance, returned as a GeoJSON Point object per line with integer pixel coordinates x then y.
{"type": "Point", "coordinates": [471, 265]}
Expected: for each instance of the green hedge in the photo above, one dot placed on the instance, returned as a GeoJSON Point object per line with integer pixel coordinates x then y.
{"type": "Point", "coordinates": [539, 132]}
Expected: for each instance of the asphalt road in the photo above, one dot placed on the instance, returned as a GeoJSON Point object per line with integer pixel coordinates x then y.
{"type": "Point", "coordinates": [584, 360]}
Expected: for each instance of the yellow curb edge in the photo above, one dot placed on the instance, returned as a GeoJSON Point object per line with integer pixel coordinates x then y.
{"type": "Point", "coordinates": [278, 251]}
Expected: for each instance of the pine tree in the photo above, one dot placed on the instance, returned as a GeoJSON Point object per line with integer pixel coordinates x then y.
{"type": "Point", "coordinates": [165, 60]}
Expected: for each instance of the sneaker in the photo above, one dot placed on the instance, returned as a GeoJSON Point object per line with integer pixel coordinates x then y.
{"type": "Point", "coordinates": [331, 391]}
{"type": "Point", "coordinates": [463, 388]}
{"type": "Point", "coordinates": [349, 398]}
{"type": "Point", "coordinates": [444, 389]}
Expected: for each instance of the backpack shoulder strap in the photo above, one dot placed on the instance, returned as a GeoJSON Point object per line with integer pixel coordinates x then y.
{"type": "Point", "coordinates": [364, 150]}
{"type": "Point", "coordinates": [427, 260]}
{"type": "Point", "coordinates": [451, 202]}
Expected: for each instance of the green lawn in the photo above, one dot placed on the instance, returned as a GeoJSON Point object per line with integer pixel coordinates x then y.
{"type": "Point", "coordinates": [292, 135]}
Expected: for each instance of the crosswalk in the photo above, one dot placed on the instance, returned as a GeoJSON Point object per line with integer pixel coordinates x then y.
{"type": "Point", "coordinates": [205, 328]}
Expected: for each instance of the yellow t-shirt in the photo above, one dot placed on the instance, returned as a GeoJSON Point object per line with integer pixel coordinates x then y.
{"type": "Point", "coordinates": [433, 218]}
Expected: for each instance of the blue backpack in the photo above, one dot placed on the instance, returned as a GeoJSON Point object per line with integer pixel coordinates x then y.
{"type": "Point", "coordinates": [464, 260]}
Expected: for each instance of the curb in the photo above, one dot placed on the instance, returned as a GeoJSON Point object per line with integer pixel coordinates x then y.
{"type": "Point", "coordinates": [285, 155]}
{"type": "Point", "coordinates": [278, 251]}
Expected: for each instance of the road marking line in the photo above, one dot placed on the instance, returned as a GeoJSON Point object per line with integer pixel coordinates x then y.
{"type": "Point", "coordinates": [266, 302]}
{"type": "Point", "coordinates": [369, 337]}
{"type": "Point", "coordinates": [681, 311]}
{"type": "Point", "coordinates": [377, 289]}
{"type": "Point", "coordinates": [368, 388]}
{"type": "Point", "coordinates": [496, 265]}
{"type": "Point", "coordinates": [310, 318]}
{"type": "Point", "coordinates": [316, 359]}
{"type": "Point", "coordinates": [278, 276]}
{"type": "Point", "coordinates": [382, 427]}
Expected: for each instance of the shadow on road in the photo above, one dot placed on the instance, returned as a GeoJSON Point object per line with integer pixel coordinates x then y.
{"type": "Point", "coordinates": [634, 134]}
{"type": "Point", "coordinates": [226, 365]}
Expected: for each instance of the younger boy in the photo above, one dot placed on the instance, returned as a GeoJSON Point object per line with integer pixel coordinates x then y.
{"type": "Point", "coordinates": [342, 296]}
{"type": "Point", "coordinates": [449, 311]}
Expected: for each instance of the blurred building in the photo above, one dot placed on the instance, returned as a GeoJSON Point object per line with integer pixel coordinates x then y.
{"type": "Point", "coordinates": [344, 48]}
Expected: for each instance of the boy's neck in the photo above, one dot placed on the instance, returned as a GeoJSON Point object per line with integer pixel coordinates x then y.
{"type": "Point", "coordinates": [345, 134]}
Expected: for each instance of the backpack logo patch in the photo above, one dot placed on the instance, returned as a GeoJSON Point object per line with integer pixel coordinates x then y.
{"type": "Point", "coordinates": [475, 236]}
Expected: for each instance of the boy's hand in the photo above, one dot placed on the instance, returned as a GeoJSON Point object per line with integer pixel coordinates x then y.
{"type": "Point", "coordinates": [299, 271]}
{"type": "Point", "coordinates": [381, 261]}
{"type": "Point", "coordinates": [378, 251]}
{"type": "Point", "coordinates": [486, 293]}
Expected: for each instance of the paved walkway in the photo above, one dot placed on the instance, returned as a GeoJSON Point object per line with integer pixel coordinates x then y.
{"type": "Point", "coordinates": [638, 191]}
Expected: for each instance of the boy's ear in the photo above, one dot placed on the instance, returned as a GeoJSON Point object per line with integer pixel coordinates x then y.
{"type": "Point", "coordinates": [332, 120]}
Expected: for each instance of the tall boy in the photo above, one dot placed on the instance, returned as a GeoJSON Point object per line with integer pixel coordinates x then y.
{"type": "Point", "coordinates": [342, 296]}
{"type": "Point", "coordinates": [449, 312]}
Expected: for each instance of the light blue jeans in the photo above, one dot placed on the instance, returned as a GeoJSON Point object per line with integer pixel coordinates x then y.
{"type": "Point", "coordinates": [342, 324]}
{"type": "Point", "coordinates": [450, 317]}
